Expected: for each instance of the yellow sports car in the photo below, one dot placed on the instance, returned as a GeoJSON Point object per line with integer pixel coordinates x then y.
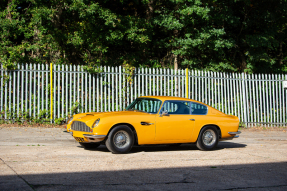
{"type": "Point", "coordinates": [154, 120]}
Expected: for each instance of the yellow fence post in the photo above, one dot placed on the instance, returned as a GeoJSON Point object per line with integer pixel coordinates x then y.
{"type": "Point", "coordinates": [186, 83]}
{"type": "Point", "coordinates": [51, 80]}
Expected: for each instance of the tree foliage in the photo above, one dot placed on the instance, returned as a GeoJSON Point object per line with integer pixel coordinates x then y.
{"type": "Point", "coordinates": [218, 35]}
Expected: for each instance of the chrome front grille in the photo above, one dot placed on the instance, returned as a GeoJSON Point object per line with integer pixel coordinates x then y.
{"type": "Point", "coordinates": [80, 126]}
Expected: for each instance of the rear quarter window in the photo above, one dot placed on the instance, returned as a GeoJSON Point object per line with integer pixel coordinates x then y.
{"type": "Point", "coordinates": [198, 109]}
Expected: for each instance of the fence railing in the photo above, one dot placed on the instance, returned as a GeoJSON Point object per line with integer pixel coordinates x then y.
{"type": "Point", "coordinates": [257, 99]}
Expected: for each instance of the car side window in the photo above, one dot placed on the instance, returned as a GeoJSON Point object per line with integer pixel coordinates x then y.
{"type": "Point", "coordinates": [176, 107]}
{"type": "Point", "coordinates": [147, 105]}
{"type": "Point", "coordinates": [198, 109]}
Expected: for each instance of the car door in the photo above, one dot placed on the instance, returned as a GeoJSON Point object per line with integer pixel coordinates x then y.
{"type": "Point", "coordinates": [198, 115]}
{"type": "Point", "coordinates": [174, 121]}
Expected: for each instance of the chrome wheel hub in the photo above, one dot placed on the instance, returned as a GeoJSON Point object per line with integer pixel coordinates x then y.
{"type": "Point", "coordinates": [209, 137]}
{"type": "Point", "coordinates": [121, 139]}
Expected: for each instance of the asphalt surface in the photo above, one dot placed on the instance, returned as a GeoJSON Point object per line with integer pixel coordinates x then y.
{"type": "Point", "coordinates": [48, 159]}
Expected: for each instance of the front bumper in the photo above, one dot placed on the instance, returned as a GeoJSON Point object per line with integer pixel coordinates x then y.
{"type": "Point", "coordinates": [88, 138]}
{"type": "Point", "coordinates": [94, 138]}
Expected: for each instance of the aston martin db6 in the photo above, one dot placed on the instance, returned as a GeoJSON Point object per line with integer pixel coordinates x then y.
{"type": "Point", "coordinates": [154, 120]}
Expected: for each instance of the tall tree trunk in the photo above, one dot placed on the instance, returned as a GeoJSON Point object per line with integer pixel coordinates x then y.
{"type": "Point", "coordinates": [175, 62]}
{"type": "Point", "coordinates": [175, 33]}
{"type": "Point", "coordinates": [175, 68]}
{"type": "Point", "coordinates": [8, 16]}
{"type": "Point", "coordinates": [280, 55]}
{"type": "Point", "coordinates": [243, 64]}
{"type": "Point", "coordinates": [150, 10]}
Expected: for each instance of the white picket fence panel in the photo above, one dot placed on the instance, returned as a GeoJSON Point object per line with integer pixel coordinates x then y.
{"type": "Point", "coordinates": [257, 99]}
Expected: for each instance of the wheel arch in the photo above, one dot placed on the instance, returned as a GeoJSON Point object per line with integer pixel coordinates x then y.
{"type": "Point", "coordinates": [130, 126]}
{"type": "Point", "coordinates": [214, 125]}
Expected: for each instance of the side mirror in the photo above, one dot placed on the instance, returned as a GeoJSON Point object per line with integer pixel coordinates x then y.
{"type": "Point", "coordinates": [164, 113]}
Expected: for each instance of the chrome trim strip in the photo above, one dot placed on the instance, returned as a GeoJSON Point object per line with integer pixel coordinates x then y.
{"type": "Point", "coordinates": [234, 133]}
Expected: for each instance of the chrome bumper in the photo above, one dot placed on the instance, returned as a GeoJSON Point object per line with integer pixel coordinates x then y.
{"type": "Point", "coordinates": [234, 133]}
{"type": "Point", "coordinates": [230, 138]}
{"type": "Point", "coordinates": [90, 138]}
{"type": "Point", "coordinates": [94, 138]}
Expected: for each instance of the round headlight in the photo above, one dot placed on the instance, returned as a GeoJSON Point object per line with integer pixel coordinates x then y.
{"type": "Point", "coordinates": [96, 123]}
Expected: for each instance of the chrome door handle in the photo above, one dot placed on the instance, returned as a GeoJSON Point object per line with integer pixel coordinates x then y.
{"type": "Point", "coordinates": [192, 119]}
{"type": "Point", "coordinates": [146, 123]}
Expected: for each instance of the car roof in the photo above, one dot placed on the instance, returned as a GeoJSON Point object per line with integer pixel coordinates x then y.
{"type": "Point", "coordinates": [164, 98]}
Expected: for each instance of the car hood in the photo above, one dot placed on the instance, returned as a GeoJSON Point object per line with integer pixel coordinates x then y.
{"type": "Point", "coordinates": [90, 118]}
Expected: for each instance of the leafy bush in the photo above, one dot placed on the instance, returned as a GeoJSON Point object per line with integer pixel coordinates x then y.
{"type": "Point", "coordinates": [75, 108]}
{"type": "Point", "coordinates": [59, 121]}
{"type": "Point", "coordinates": [43, 114]}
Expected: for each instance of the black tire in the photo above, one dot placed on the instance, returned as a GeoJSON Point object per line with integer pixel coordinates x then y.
{"type": "Point", "coordinates": [120, 140]}
{"type": "Point", "coordinates": [90, 145]}
{"type": "Point", "coordinates": [208, 138]}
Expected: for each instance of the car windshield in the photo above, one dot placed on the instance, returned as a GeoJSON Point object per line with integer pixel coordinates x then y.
{"type": "Point", "coordinates": [147, 105]}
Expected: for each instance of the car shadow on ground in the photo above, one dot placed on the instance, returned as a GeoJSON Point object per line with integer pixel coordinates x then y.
{"type": "Point", "coordinates": [172, 147]}
{"type": "Point", "coordinates": [261, 176]}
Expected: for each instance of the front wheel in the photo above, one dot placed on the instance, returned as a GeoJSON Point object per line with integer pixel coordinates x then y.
{"type": "Point", "coordinates": [207, 139]}
{"type": "Point", "coordinates": [120, 140]}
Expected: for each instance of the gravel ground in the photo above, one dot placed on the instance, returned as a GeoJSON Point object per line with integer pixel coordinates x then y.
{"type": "Point", "coordinates": [48, 159]}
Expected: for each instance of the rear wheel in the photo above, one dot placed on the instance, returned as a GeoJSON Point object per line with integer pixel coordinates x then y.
{"type": "Point", "coordinates": [208, 138]}
{"type": "Point", "coordinates": [120, 140]}
{"type": "Point", "coordinates": [90, 145]}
